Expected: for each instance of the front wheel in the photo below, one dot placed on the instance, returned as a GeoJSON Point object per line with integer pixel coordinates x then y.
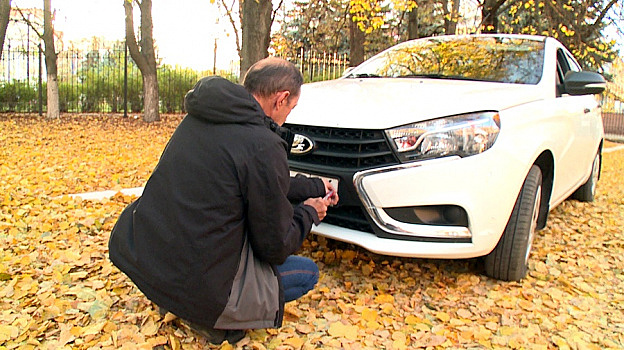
{"type": "Point", "coordinates": [509, 259]}
{"type": "Point", "coordinates": [587, 192]}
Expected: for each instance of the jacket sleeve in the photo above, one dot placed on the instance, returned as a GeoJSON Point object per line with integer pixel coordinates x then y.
{"type": "Point", "coordinates": [275, 229]}
{"type": "Point", "coordinates": [303, 187]}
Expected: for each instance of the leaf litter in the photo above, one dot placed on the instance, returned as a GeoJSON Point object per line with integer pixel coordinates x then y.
{"type": "Point", "coordinates": [60, 291]}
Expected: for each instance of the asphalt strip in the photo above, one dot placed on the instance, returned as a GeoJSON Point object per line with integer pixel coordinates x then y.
{"type": "Point", "coordinates": [137, 191]}
{"type": "Point", "coordinates": [613, 149]}
{"type": "Point", "coordinates": [96, 196]}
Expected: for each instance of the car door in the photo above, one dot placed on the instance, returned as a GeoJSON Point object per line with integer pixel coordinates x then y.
{"type": "Point", "coordinates": [577, 119]}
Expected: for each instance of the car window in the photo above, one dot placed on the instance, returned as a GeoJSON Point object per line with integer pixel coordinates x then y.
{"type": "Point", "coordinates": [563, 66]}
{"type": "Point", "coordinates": [495, 59]}
{"type": "Point", "coordinates": [574, 66]}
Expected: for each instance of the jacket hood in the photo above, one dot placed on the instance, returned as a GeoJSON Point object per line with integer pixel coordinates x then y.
{"type": "Point", "coordinates": [218, 100]}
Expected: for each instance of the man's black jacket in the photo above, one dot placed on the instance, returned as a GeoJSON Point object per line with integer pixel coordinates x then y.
{"type": "Point", "coordinates": [215, 216]}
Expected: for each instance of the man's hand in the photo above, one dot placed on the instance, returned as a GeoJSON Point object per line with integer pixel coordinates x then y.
{"type": "Point", "coordinates": [333, 199]}
{"type": "Point", "coordinates": [320, 205]}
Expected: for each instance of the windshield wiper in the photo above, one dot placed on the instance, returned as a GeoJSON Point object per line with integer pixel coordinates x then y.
{"type": "Point", "coordinates": [364, 75]}
{"type": "Point", "coordinates": [429, 75]}
{"type": "Point", "coordinates": [441, 76]}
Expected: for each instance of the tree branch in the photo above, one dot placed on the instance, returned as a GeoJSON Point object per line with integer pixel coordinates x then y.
{"type": "Point", "coordinates": [604, 12]}
{"type": "Point", "coordinates": [29, 23]}
{"type": "Point", "coordinates": [133, 47]}
{"type": "Point", "coordinates": [228, 12]}
{"type": "Point", "coordinates": [275, 11]}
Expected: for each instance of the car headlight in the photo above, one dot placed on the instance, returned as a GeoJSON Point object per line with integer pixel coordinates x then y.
{"type": "Point", "coordinates": [463, 135]}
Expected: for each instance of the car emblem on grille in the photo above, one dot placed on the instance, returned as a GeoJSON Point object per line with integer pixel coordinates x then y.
{"type": "Point", "coordinates": [302, 145]}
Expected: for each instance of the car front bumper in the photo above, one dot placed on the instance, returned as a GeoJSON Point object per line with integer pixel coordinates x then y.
{"type": "Point", "coordinates": [485, 186]}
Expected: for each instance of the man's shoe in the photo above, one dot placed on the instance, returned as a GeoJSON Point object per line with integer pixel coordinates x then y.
{"type": "Point", "coordinates": [217, 336]}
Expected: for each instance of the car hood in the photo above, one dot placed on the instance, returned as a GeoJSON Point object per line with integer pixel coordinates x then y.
{"type": "Point", "coordinates": [387, 102]}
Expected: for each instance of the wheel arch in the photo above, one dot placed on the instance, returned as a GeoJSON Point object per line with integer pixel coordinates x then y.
{"type": "Point", "coordinates": [546, 163]}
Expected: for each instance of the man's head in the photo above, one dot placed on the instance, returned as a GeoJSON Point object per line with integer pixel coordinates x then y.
{"type": "Point", "coordinates": [276, 85]}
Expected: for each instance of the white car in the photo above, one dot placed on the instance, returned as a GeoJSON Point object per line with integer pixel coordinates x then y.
{"type": "Point", "coordinates": [453, 146]}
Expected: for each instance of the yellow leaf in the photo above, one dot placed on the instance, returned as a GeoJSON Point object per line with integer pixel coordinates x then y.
{"type": "Point", "coordinates": [388, 309]}
{"type": "Point", "coordinates": [295, 342]}
{"type": "Point", "coordinates": [76, 331]}
{"type": "Point", "coordinates": [8, 332]}
{"type": "Point", "coordinates": [304, 328]}
{"type": "Point", "coordinates": [373, 325]}
{"type": "Point", "coordinates": [411, 319]}
{"type": "Point", "coordinates": [160, 340]}
{"type": "Point", "coordinates": [422, 327]}
{"type": "Point", "coordinates": [169, 317]}
{"type": "Point", "coordinates": [369, 315]}
{"type": "Point", "coordinates": [348, 255]}
{"type": "Point", "coordinates": [367, 270]}
{"type": "Point", "coordinates": [384, 298]}
{"type": "Point", "coordinates": [463, 313]}
{"type": "Point", "coordinates": [339, 330]}
{"type": "Point", "coordinates": [175, 343]}
{"type": "Point", "coordinates": [436, 340]}
{"type": "Point", "coordinates": [399, 344]}
{"type": "Point", "coordinates": [506, 330]}
{"type": "Point", "coordinates": [526, 305]}
{"type": "Point", "coordinates": [150, 328]}
{"type": "Point", "coordinates": [399, 336]}
{"type": "Point", "coordinates": [515, 343]}
{"type": "Point", "coordinates": [94, 328]}
{"type": "Point", "coordinates": [443, 316]}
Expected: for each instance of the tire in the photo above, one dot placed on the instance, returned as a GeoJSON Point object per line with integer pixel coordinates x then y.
{"type": "Point", "coordinates": [509, 259]}
{"type": "Point", "coordinates": [587, 192]}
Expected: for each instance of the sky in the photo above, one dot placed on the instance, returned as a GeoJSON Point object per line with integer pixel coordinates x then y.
{"type": "Point", "coordinates": [184, 30]}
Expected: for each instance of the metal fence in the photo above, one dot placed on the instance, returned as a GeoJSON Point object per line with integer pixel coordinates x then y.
{"type": "Point", "coordinates": [104, 80]}
{"type": "Point", "coordinates": [613, 112]}
{"type": "Point", "coordinates": [319, 66]}
{"type": "Point", "coordinates": [107, 80]}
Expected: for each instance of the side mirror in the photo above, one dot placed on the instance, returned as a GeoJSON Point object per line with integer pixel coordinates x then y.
{"type": "Point", "coordinates": [584, 83]}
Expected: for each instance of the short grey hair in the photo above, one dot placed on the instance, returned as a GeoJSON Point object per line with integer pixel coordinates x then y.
{"type": "Point", "coordinates": [271, 75]}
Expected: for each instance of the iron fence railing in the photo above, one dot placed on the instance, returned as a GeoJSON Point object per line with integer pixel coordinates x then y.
{"type": "Point", "coordinates": [107, 80]}
{"type": "Point", "coordinates": [319, 66]}
{"type": "Point", "coordinates": [95, 81]}
{"type": "Point", "coordinates": [613, 125]}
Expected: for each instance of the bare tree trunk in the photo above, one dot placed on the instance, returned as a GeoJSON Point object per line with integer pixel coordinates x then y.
{"type": "Point", "coordinates": [144, 56]}
{"type": "Point", "coordinates": [412, 24]}
{"type": "Point", "coordinates": [451, 16]}
{"type": "Point", "coordinates": [489, 15]}
{"type": "Point", "coordinates": [256, 32]}
{"type": "Point", "coordinates": [50, 59]}
{"type": "Point", "coordinates": [5, 12]}
{"type": "Point", "coordinates": [356, 44]}
{"type": "Point", "coordinates": [150, 96]}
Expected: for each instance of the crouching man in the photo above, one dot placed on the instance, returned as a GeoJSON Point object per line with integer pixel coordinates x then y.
{"type": "Point", "coordinates": [211, 239]}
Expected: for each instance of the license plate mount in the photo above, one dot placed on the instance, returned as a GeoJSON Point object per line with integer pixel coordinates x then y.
{"type": "Point", "coordinates": [332, 180]}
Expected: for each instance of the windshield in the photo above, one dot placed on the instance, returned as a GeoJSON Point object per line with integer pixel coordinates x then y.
{"type": "Point", "coordinates": [484, 58]}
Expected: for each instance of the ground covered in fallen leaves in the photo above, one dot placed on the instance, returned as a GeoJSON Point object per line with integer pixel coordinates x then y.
{"type": "Point", "coordinates": [59, 290]}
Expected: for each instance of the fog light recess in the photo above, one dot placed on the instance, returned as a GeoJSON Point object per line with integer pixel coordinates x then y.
{"type": "Point", "coordinates": [439, 215]}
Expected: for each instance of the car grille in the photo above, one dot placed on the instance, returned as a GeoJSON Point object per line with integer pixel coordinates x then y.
{"type": "Point", "coordinates": [352, 217]}
{"type": "Point", "coordinates": [340, 153]}
{"type": "Point", "coordinates": [346, 149]}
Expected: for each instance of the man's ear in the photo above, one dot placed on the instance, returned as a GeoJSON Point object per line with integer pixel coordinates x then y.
{"type": "Point", "coordinates": [282, 98]}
